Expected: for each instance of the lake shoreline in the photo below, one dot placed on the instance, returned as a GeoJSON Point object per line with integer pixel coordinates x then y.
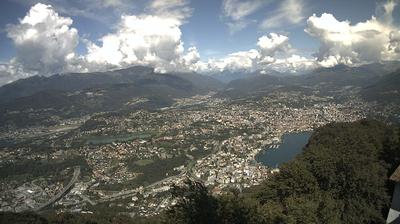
{"type": "Point", "coordinates": [289, 145]}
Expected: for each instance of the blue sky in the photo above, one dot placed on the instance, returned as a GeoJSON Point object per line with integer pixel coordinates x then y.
{"type": "Point", "coordinates": [206, 35]}
{"type": "Point", "coordinates": [206, 27]}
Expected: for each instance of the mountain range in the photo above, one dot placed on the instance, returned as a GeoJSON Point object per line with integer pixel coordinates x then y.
{"type": "Point", "coordinates": [140, 76]}
{"type": "Point", "coordinates": [76, 94]}
{"type": "Point", "coordinates": [325, 80]}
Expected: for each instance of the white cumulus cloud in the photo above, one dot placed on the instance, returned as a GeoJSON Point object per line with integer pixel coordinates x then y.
{"type": "Point", "coordinates": [191, 57]}
{"type": "Point", "coordinates": [44, 40]}
{"type": "Point", "coordinates": [293, 63]}
{"type": "Point", "coordinates": [242, 60]}
{"type": "Point", "coordinates": [151, 39]}
{"type": "Point", "coordinates": [12, 71]}
{"type": "Point", "coordinates": [395, 41]}
{"type": "Point", "coordinates": [342, 42]}
{"type": "Point", "coordinates": [143, 40]}
{"type": "Point", "coordinates": [273, 53]}
{"type": "Point", "coordinates": [269, 45]}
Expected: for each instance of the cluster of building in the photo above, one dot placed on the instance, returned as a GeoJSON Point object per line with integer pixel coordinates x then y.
{"type": "Point", "coordinates": [220, 139]}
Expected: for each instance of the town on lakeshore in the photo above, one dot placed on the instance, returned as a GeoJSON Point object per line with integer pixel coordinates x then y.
{"type": "Point", "coordinates": [128, 161]}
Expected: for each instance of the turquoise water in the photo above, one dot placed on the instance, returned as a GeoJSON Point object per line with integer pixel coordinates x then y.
{"type": "Point", "coordinates": [292, 145]}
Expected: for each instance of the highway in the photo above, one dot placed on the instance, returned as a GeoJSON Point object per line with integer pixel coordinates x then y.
{"type": "Point", "coordinates": [128, 193]}
{"type": "Point", "coordinates": [134, 191]}
{"type": "Point", "coordinates": [57, 197]}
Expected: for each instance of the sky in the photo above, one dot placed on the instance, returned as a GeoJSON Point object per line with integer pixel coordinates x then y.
{"type": "Point", "coordinates": [205, 36]}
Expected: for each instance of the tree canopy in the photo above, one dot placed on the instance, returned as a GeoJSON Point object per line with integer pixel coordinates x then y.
{"type": "Point", "coordinates": [341, 177]}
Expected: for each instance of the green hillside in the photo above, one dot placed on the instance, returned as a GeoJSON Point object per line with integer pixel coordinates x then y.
{"type": "Point", "coordinates": [341, 177]}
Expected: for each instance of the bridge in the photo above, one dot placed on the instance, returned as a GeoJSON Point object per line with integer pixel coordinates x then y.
{"type": "Point", "coordinates": [66, 190]}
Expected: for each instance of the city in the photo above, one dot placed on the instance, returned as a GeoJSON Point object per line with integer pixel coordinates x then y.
{"type": "Point", "coordinates": [134, 158]}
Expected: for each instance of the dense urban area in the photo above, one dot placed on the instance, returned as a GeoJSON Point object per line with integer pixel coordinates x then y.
{"type": "Point", "coordinates": [128, 161]}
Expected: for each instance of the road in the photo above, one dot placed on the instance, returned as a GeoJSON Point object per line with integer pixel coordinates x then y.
{"type": "Point", "coordinates": [128, 193]}
{"type": "Point", "coordinates": [134, 191]}
{"type": "Point", "coordinates": [57, 197]}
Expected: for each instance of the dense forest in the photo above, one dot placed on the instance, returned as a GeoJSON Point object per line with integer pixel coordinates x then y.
{"type": "Point", "coordinates": [341, 177]}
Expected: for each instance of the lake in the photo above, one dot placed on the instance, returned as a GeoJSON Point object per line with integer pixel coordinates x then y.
{"type": "Point", "coordinates": [274, 155]}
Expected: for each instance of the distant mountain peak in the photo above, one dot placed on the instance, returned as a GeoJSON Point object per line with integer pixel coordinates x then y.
{"type": "Point", "coordinates": [136, 68]}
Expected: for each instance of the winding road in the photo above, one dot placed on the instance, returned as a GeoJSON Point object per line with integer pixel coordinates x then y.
{"type": "Point", "coordinates": [57, 197]}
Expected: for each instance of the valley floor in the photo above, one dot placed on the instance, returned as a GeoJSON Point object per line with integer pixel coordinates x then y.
{"type": "Point", "coordinates": [130, 160]}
